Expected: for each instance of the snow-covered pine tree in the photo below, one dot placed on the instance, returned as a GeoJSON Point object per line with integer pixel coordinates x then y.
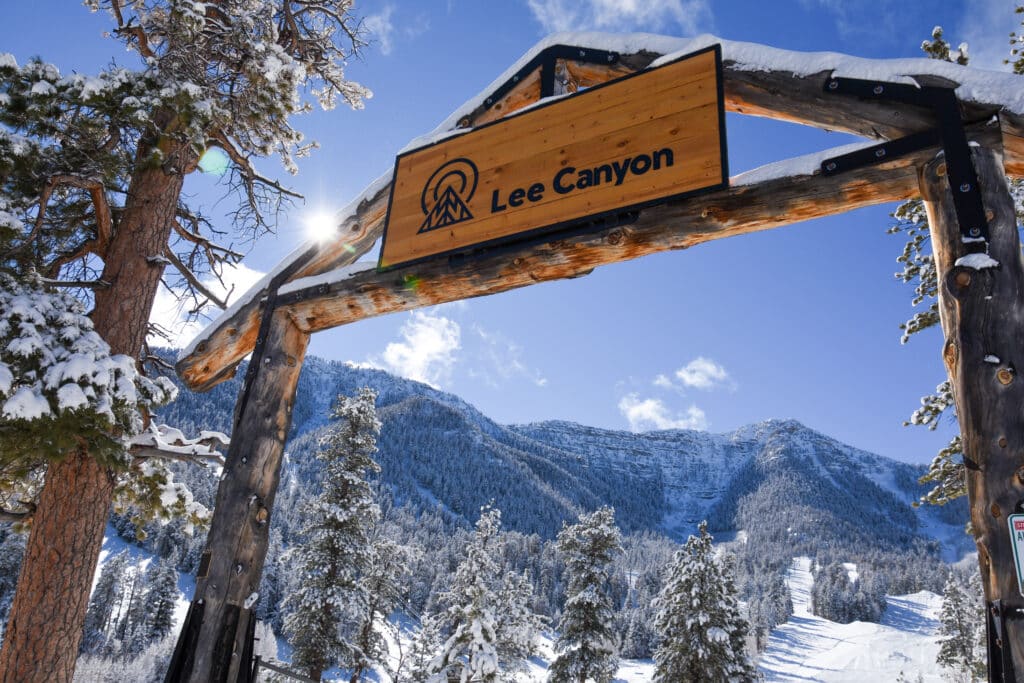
{"type": "Point", "coordinates": [703, 635]}
{"type": "Point", "coordinates": [160, 600]}
{"type": "Point", "coordinates": [517, 626]}
{"type": "Point", "coordinates": [470, 652]}
{"type": "Point", "coordinates": [426, 641]}
{"type": "Point", "coordinates": [961, 631]}
{"type": "Point", "coordinates": [334, 552]}
{"type": "Point", "coordinates": [91, 194]}
{"type": "Point", "coordinates": [586, 644]}
{"type": "Point", "coordinates": [384, 581]}
{"type": "Point", "coordinates": [105, 599]}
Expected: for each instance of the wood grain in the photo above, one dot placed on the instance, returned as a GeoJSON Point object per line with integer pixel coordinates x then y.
{"type": "Point", "coordinates": [673, 107]}
{"type": "Point", "coordinates": [982, 313]}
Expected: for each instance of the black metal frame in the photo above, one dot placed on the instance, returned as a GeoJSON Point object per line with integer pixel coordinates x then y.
{"type": "Point", "coordinates": [963, 180]}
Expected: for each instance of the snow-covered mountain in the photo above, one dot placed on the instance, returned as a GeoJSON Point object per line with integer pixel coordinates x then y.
{"type": "Point", "coordinates": [776, 479]}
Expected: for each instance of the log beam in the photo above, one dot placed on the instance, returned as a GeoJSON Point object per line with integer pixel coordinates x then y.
{"type": "Point", "coordinates": [982, 314]}
{"type": "Point", "coordinates": [774, 94]}
{"type": "Point", "coordinates": [237, 542]}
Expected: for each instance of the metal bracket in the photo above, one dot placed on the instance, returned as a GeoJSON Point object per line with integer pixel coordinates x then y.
{"type": "Point", "coordinates": [963, 180]}
{"type": "Point", "coordinates": [546, 60]}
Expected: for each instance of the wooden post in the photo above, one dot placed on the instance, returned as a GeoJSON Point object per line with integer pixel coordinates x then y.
{"type": "Point", "coordinates": [982, 312]}
{"type": "Point", "coordinates": [231, 566]}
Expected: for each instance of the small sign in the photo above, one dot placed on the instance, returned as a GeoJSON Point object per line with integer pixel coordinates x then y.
{"type": "Point", "coordinates": [1016, 522]}
{"type": "Point", "coordinates": [633, 142]}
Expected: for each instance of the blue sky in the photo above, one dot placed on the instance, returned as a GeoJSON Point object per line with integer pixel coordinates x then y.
{"type": "Point", "coordinates": [798, 322]}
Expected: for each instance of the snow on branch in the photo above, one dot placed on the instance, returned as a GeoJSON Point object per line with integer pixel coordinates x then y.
{"type": "Point", "coordinates": [168, 443]}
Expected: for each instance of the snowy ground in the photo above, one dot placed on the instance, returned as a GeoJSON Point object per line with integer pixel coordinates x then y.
{"type": "Point", "coordinates": [809, 648]}
{"type": "Point", "coordinates": [806, 648]}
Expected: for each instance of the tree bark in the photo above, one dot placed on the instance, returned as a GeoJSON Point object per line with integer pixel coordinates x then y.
{"type": "Point", "coordinates": [982, 313]}
{"type": "Point", "coordinates": [237, 543]}
{"type": "Point", "coordinates": [45, 625]}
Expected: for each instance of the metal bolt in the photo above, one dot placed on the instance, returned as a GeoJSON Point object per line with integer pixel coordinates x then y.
{"type": "Point", "coordinates": [880, 152]}
{"type": "Point", "coordinates": [830, 166]}
{"type": "Point", "coordinates": [515, 79]}
{"type": "Point", "coordinates": [611, 58]}
{"type": "Point", "coordinates": [832, 85]}
{"type": "Point", "coordinates": [488, 101]}
{"type": "Point", "coordinates": [583, 53]}
{"type": "Point", "coordinates": [878, 90]}
{"type": "Point", "coordinates": [975, 232]}
{"type": "Point", "coordinates": [966, 187]}
{"type": "Point", "coordinates": [245, 460]}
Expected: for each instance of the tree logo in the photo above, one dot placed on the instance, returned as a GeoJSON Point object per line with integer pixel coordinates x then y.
{"type": "Point", "coordinates": [445, 198]}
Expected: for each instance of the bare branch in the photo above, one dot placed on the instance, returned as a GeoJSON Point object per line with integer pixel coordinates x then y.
{"type": "Point", "coordinates": [247, 169]}
{"type": "Point", "coordinates": [86, 284]}
{"type": "Point", "coordinates": [193, 280]}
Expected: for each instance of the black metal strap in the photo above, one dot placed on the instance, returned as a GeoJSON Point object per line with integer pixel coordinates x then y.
{"type": "Point", "coordinates": [960, 172]}
{"type": "Point", "coordinates": [546, 60]}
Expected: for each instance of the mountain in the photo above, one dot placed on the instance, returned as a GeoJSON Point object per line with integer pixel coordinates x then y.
{"type": "Point", "coordinates": [777, 481]}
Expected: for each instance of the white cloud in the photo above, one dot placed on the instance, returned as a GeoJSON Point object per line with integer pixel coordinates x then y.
{"type": "Point", "coordinates": [381, 29]}
{"type": "Point", "coordinates": [663, 381]}
{"type": "Point", "coordinates": [502, 360]}
{"type": "Point", "coordinates": [686, 16]}
{"type": "Point", "coordinates": [702, 373]}
{"type": "Point", "coordinates": [427, 352]}
{"type": "Point", "coordinates": [986, 30]}
{"type": "Point", "coordinates": [651, 413]}
{"type": "Point", "coordinates": [171, 314]}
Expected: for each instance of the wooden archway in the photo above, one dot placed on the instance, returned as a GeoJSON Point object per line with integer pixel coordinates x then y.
{"type": "Point", "coordinates": [321, 286]}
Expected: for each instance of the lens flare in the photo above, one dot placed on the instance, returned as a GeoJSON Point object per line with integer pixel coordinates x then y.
{"type": "Point", "coordinates": [214, 161]}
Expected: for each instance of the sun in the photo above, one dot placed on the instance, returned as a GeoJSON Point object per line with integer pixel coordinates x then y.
{"type": "Point", "coordinates": [320, 225]}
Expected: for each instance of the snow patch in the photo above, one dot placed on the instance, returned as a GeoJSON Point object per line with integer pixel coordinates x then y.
{"type": "Point", "coordinates": [976, 261]}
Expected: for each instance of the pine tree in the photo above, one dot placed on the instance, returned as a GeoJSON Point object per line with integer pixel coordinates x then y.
{"type": "Point", "coordinates": [586, 643]}
{"type": "Point", "coordinates": [517, 626]}
{"type": "Point", "coordinates": [93, 192]}
{"type": "Point", "coordinates": [426, 642]}
{"type": "Point", "coordinates": [160, 600]}
{"type": "Point", "coordinates": [384, 581]}
{"type": "Point", "coordinates": [470, 652]}
{"type": "Point", "coordinates": [961, 630]}
{"type": "Point", "coordinates": [703, 636]}
{"type": "Point", "coordinates": [104, 601]}
{"type": "Point", "coordinates": [334, 553]}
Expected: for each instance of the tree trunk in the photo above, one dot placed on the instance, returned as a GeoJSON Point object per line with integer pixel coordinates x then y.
{"type": "Point", "coordinates": [237, 543]}
{"type": "Point", "coordinates": [982, 312]}
{"type": "Point", "coordinates": [45, 625]}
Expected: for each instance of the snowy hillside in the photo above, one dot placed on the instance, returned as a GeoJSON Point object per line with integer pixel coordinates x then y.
{"type": "Point", "coordinates": [437, 452]}
{"type": "Point", "coordinates": [809, 648]}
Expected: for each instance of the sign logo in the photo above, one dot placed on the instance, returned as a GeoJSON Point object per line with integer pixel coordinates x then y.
{"type": "Point", "coordinates": [446, 195]}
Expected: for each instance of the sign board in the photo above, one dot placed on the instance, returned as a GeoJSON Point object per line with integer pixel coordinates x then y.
{"type": "Point", "coordinates": [622, 145]}
{"type": "Point", "coordinates": [1016, 522]}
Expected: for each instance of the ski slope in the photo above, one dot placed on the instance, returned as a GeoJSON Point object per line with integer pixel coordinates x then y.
{"type": "Point", "coordinates": [809, 648]}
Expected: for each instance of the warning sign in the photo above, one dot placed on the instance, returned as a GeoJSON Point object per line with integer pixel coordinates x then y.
{"type": "Point", "coordinates": [1016, 523]}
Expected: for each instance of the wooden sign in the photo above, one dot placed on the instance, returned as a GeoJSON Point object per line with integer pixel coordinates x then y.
{"type": "Point", "coordinates": [633, 142]}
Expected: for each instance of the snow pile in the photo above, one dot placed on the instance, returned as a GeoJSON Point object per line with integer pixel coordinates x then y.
{"type": "Point", "coordinates": [58, 381]}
